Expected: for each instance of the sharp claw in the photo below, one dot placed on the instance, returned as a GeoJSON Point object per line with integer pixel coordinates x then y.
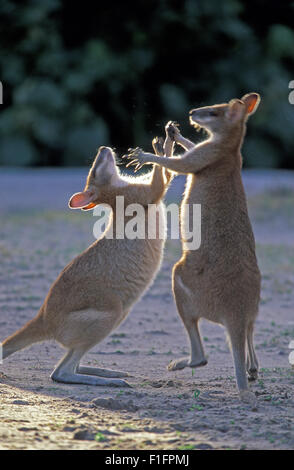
{"type": "Point", "coordinates": [131, 163]}
{"type": "Point", "coordinates": [138, 166]}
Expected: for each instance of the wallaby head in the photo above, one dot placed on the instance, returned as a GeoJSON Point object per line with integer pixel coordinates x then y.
{"type": "Point", "coordinates": [227, 118]}
{"type": "Point", "coordinates": [103, 174]}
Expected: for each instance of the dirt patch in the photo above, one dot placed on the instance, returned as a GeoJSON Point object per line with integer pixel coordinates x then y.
{"type": "Point", "coordinates": [189, 409]}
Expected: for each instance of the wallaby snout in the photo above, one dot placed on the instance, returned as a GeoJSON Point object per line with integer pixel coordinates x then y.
{"type": "Point", "coordinates": [202, 116]}
{"type": "Point", "coordinates": [105, 151]}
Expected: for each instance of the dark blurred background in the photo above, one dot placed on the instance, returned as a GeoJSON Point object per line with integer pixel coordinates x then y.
{"type": "Point", "coordinates": [77, 75]}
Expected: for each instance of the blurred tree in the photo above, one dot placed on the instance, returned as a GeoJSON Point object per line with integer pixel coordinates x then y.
{"type": "Point", "coordinates": [76, 77]}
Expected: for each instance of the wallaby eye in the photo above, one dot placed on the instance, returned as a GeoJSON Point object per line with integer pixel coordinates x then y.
{"type": "Point", "coordinates": [212, 113]}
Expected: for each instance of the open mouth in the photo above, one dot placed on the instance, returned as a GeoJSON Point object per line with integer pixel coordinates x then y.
{"type": "Point", "coordinates": [195, 124]}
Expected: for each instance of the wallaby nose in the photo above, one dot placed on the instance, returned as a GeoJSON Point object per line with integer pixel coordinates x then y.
{"type": "Point", "coordinates": [104, 151]}
{"type": "Point", "coordinates": [193, 115]}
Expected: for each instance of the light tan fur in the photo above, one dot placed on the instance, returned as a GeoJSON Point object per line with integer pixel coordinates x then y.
{"type": "Point", "coordinates": [221, 280]}
{"type": "Point", "coordinates": [95, 292]}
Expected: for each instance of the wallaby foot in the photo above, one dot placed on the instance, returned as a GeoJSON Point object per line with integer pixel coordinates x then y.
{"type": "Point", "coordinates": [237, 334]}
{"type": "Point", "coordinates": [252, 362]}
{"type": "Point", "coordinates": [179, 364]}
{"type": "Point", "coordinates": [65, 372]}
{"type": "Point", "coordinates": [101, 372]}
{"type": "Point", "coordinates": [248, 397]}
{"type": "Point", "coordinates": [186, 309]}
{"type": "Point", "coordinates": [87, 380]}
{"type": "Point", "coordinates": [252, 374]}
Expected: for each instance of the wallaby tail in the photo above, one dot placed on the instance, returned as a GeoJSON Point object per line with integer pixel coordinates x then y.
{"type": "Point", "coordinates": [31, 332]}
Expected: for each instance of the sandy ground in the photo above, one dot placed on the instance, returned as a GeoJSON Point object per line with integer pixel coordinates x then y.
{"type": "Point", "coordinates": [189, 409]}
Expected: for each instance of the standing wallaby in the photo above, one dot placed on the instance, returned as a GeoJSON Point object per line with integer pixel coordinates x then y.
{"type": "Point", "coordinates": [95, 292]}
{"type": "Point", "coordinates": [220, 281]}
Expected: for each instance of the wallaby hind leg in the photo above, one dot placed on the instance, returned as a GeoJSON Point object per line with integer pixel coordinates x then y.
{"type": "Point", "coordinates": [252, 362]}
{"type": "Point", "coordinates": [101, 372]}
{"type": "Point", "coordinates": [80, 331]}
{"type": "Point", "coordinates": [65, 372]}
{"type": "Point", "coordinates": [237, 334]}
{"type": "Point", "coordinates": [186, 309]}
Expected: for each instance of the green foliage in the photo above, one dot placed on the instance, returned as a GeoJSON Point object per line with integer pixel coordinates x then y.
{"type": "Point", "coordinates": [76, 78]}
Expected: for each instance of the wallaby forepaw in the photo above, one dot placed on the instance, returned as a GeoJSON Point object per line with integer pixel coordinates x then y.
{"type": "Point", "coordinates": [137, 158]}
{"type": "Point", "coordinates": [158, 145]}
{"type": "Point", "coordinates": [172, 129]}
{"type": "Point", "coordinates": [248, 397]}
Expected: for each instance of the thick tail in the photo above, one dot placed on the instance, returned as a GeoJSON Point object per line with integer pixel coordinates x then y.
{"type": "Point", "coordinates": [30, 333]}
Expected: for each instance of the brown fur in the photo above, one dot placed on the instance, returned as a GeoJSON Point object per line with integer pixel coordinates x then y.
{"type": "Point", "coordinates": [95, 292]}
{"type": "Point", "coordinates": [220, 281]}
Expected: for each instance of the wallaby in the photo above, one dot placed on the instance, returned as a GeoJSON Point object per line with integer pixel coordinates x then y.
{"type": "Point", "coordinates": [95, 292]}
{"type": "Point", "coordinates": [221, 280]}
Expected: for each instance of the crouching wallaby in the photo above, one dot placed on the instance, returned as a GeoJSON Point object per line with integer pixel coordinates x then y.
{"type": "Point", "coordinates": [95, 292]}
{"type": "Point", "coordinates": [220, 281]}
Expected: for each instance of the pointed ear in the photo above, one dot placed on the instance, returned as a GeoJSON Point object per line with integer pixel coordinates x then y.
{"type": "Point", "coordinates": [251, 101]}
{"type": "Point", "coordinates": [82, 200]}
{"type": "Point", "coordinates": [235, 110]}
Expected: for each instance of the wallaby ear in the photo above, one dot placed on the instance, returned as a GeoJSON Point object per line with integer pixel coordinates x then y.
{"type": "Point", "coordinates": [89, 206]}
{"type": "Point", "coordinates": [251, 101]}
{"type": "Point", "coordinates": [235, 109]}
{"type": "Point", "coordinates": [82, 200]}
